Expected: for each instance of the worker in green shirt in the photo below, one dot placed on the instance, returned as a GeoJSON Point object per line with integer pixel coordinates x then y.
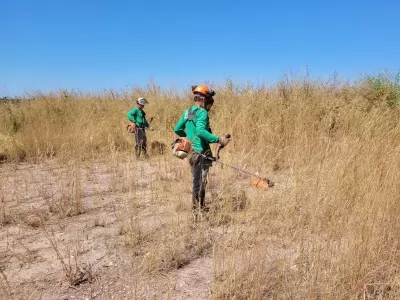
{"type": "Point", "coordinates": [194, 125]}
{"type": "Point", "coordinates": [138, 117]}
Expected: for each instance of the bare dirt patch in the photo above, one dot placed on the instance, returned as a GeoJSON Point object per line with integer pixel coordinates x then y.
{"type": "Point", "coordinates": [107, 230]}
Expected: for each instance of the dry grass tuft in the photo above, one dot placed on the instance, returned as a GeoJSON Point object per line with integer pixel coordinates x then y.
{"type": "Point", "coordinates": [3, 157]}
{"type": "Point", "coordinates": [157, 148]}
{"type": "Point", "coordinates": [33, 221]}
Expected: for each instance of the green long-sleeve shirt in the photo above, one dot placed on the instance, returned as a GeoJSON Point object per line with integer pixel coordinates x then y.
{"type": "Point", "coordinates": [138, 117]}
{"type": "Point", "coordinates": [197, 131]}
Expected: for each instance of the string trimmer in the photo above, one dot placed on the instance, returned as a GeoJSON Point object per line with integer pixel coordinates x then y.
{"type": "Point", "coordinates": [257, 181]}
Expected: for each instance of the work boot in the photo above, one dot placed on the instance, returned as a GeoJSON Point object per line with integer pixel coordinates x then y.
{"type": "Point", "coordinates": [145, 155]}
{"type": "Point", "coordinates": [195, 204]}
{"type": "Point", "coordinates": [205, 209]}
{"type": "Point", "coordinates": [202, 196]}
{"type": "Point", "coordinates": [137, 151]}
{"type": "Point", "coordinates": [199, 205]}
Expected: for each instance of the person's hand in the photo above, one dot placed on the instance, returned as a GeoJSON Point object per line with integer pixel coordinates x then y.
{"type": "Point", "coordinates": [131, 128]}
{"type": "Point", "coordinates": [224, 140]}
{"type": "Point", "coordinates": [150, 128]}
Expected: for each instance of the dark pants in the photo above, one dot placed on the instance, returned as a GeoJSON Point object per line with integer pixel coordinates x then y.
{"type": "Point", "coordinates": [200, 167]}
{"type": "Point", "coordinates": [141, 142]}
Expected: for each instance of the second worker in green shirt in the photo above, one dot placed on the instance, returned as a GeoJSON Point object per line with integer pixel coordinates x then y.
{"type": "Point", "coordinates": [138, 117]}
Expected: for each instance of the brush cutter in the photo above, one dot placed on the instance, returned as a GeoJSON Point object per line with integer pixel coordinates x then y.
{"type": "Point", "coordinates": [132, 128]}
{"type": "Point", "coordinates": [256, 180]}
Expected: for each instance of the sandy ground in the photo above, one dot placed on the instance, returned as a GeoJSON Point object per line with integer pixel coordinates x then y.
{"type": "Point", "coordinates": [83, 231]}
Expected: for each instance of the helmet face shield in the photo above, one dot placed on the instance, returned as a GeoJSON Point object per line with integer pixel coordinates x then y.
{"type": "Point", "coordinates": [202, 90]}
{"type": "Point", "coordinates": [142, 101]}
{"type": "Point", "coordinates": [209, 101]}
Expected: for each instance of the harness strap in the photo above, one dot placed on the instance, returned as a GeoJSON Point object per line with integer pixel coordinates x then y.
{"type": "Point", "coordinates": [192, 115]}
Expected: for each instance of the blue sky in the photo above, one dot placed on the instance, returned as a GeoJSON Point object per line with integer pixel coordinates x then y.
{"type": "Point", "coordinates": [93, 45]}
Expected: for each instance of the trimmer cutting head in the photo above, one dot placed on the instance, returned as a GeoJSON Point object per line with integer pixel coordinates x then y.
{"type": "Point", "coordinates": [262, 183]}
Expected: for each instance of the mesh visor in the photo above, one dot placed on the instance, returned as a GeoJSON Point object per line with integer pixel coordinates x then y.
{"type": "Point", "coordinates": [209, 101]}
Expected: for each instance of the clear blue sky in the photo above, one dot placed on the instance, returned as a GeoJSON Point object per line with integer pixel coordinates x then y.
{"type": "Point", "coordinates": [91, 45]}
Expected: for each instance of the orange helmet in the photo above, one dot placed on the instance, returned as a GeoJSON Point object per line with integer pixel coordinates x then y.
{"type": "Point", "coordinates": [202, 90]}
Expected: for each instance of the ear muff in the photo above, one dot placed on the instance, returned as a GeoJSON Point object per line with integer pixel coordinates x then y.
{"type": "Point", "coordinates": [209, 101]}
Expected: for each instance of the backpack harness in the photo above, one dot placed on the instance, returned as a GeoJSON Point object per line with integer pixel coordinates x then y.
{"type": "Point", "coordinates": [192, 115]}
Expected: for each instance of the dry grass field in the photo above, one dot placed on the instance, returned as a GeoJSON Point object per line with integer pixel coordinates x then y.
{"type": "Point", "coordinates": [81, 218]}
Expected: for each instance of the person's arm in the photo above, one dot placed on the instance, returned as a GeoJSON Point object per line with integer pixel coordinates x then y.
{"type": "Point", "coordinates": [201, 122]}
{"type": "Point", "coordinates": [131, 115]}
{"type": "Point", "coordinates": [146, 124]}
{"type": "Point", "coordinates": [179, 128]}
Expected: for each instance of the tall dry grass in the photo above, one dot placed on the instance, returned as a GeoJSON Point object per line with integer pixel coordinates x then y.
{"type": "Point", "coordinates": [329, 233]}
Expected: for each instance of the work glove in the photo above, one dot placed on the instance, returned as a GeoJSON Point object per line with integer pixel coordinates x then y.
{"type": "Point", "coordinates": [224, 140]}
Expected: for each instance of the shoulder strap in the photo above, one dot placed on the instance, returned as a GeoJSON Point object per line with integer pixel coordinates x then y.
{"type": "Point", "coordinates": [191, 114]}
